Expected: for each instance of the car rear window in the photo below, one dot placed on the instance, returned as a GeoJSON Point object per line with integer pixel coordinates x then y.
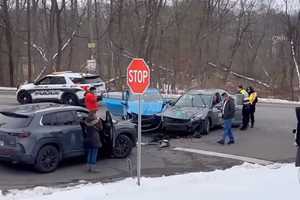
{"type": "Point", "coordinates": [86, 80]}
{"type": "Point", "coordinates": [13, 120]}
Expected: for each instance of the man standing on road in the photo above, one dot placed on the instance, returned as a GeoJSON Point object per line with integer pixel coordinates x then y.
{"type": "Point", "coordinates": [91, 101]}
{"type": "Point", "coordinates": [246, 107]}
{"type": "Point", "coordinates": [297, 137]}
{"type": "Point", "coordinates": [252, 101]}
{"type": "Point", "coordinates": [228, 112]}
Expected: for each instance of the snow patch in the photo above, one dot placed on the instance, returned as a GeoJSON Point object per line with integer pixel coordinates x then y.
{"type": "Point", "coordinates": [279, 101]}
{"type": "Point", "coordinates": [247, 182]}
{"type": "Point", "coordinates": [8, 88]}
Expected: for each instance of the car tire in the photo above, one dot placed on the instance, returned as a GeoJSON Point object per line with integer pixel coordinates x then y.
{"type": "Point", "coordinates": [24, 97]}
{"type": "Point", "coordinates": [47, 159]}
{"type": "Point", "coordinates": [123, 146]}
{"type": "Point", "coordinates": [69, 99]}
{"type": "Point", "coordinates": [206, 127]}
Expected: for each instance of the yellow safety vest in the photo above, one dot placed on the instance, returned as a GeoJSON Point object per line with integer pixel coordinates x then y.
{"type": "Point", "coordinates": [246, 96]}
{"type": "Point", "coordinates": [252, 97]}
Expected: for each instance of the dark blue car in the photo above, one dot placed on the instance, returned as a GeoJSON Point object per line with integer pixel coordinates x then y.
{"type": "Point", "coordinates": [125, 105]}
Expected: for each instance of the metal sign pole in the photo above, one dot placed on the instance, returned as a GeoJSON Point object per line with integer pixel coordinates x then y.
{"type": "Point", "coordinates": [139, 148]}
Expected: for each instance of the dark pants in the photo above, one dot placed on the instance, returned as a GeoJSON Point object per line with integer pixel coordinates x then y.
{"type": "Point", "coordinates": [92, 156]}
{"type": "Point", "coordinates": [246, 115]}
{"type": "Point", "coordinates": [227, 130]}
{"type": "Point", "coordinates": [252, 111]}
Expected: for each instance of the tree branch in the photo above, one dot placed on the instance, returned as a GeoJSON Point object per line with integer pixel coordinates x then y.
{"type": "Point", "coordinates": [241, 76]}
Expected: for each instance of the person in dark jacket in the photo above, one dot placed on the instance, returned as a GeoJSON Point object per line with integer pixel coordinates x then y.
{"type": "Point", "coordinates": [91, 128]}
{"type": "Point", "coordinates": [252, 101]}
{"type": "Point", "coordinates": [228, 112]}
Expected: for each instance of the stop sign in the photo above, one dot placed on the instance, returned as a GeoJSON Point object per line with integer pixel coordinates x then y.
{"type": "Point", "coordinates": [138, 76]}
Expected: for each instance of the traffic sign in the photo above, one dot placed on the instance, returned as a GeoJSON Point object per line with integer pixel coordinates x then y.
{"type": "Point", "coordinates": [138, 76]}
{"type": "Point", "coordinates": [138, 80]}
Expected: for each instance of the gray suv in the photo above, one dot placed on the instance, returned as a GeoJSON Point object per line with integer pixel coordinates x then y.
{"type": "Point", "coordinates": [44, 134]}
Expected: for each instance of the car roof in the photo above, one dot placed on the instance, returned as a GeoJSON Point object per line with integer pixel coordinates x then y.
{"type": "Point", "coordinates": [31, 109]}
{"type": "Point", "coordinates": [207, 91]}
{"type": "Point", "coordinates": [73, 74]}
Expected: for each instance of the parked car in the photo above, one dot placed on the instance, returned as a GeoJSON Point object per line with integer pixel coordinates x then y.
{"type": "Point", "coordinates": [197, 112]}
{"type": "Point", "coordinates": [63, 87]}
{"type": "Point", "coordinates": [125, 104]}
{"type": "Point", "coordinates": [46, 133]}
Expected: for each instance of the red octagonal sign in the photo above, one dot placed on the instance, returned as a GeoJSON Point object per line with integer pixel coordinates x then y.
{"type": "Point", "coordinates": [138, 76]}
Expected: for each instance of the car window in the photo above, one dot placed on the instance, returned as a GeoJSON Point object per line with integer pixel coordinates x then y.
{"type": "Point", "coordinates": [44, 81]}
{"type": "Point", "coordinates": [51, 80]}
{"type": "Point", "coordinates": [66, 118]}
{"type": "Point", "coordinates": [12, 120]}
{"type": "Point", "coordinates": [194, 100]}
{"type": "Point", "coordinates": [57, 80]}
{"type": "Point", "coordinates": [49, 119]}
{"type": "Point", "coordinates": [77, 80]}
{"type": "Point", "coordinates": [93, 79]}
{"type": "Point", "coordinates": [59, 119]}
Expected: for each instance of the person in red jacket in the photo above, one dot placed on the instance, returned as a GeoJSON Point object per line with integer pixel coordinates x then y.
{"type": "Point", "coordinates": [91, 101]}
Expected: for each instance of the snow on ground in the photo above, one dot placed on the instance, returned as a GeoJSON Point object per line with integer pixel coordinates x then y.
{"type": "Point", "coordinates": [8, 88]}
{"type": "Point", "coordinates": [280, 101]}
{"type": "Point", "coordinates": [247, 182]}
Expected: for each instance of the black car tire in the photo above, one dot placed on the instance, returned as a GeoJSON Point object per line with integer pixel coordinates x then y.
{"type": "Point", "coordinates": [123, 146]}
{"type": "Point", "coordinates": [24, 97]}
{"type": "Point", "coordinates": [206, 126]}
{"type": "Point", "coordinates": [69, 99]}
{"type": "Point", "coordinates": [47, 159]}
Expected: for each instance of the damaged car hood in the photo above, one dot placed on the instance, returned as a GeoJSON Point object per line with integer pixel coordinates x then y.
{"type": "Point", "coordinates": [185, 112]}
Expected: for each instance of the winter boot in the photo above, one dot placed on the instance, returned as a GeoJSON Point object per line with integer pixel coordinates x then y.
{"type": "Point", "coordinates": [222, 142]}
{"type": "Point", "coordinates": [93, 169]}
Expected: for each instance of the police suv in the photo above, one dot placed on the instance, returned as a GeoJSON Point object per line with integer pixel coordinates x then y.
{"type": "Point", "coordinates": [64, 87]}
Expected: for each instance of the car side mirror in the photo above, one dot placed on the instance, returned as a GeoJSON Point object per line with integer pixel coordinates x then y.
{"type": "Point", "coordinates": [294, 131]}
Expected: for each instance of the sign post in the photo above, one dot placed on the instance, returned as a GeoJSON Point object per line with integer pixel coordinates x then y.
{"type": "Point", "coordinates": [138, 80]}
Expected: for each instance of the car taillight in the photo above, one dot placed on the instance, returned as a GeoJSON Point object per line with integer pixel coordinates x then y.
{"type": "Point", "coordinates": [24, 134]}
{"type": "Point", "coordinates": [85, 88]}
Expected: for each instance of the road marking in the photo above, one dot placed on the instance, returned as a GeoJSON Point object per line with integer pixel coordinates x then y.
{"type": "Point", "coordinates": [216, 154]}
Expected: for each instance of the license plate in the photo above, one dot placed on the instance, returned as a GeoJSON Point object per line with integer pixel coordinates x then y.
{"type": "Point", "coordinates": [1, 143]}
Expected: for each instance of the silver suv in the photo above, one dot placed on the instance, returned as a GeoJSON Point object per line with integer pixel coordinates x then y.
{"type": "Point", "coordinates": [46, 133]}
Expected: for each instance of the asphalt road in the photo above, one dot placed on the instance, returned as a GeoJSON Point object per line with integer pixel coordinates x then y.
{"type": "Point", "coordinates": [271, 140]}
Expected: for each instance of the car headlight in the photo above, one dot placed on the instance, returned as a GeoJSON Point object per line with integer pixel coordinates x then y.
{"type": "Point", "coordinates": [197, 117]}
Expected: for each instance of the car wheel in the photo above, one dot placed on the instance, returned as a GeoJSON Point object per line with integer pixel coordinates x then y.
{"type": "Point", "coordinates": [206, 127]}
{"type": "Point", "coordinates": [24, 97]}
{"type": "Point", "coordinates": [123, 146]}
{"type": "Point", "coordinates": [70, 99]}
{"type": "Point", "coordinates": [47, 159]}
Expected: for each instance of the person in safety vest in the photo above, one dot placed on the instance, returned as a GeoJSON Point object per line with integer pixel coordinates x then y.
{"type": "Point", "coordinates": [91, 101]}
{"type": "Point", "coordinates": [252, 100]}
{"type": "Point", "coordinates": [246, 107]}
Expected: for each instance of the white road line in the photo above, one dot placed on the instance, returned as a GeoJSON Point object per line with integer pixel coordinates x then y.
{"type": "Point", "coordinates": [216, 154]}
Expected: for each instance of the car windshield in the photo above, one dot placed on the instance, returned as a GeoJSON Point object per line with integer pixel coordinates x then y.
{"type": "Point", "coordinates": [194, 100]}
{"type": "Point", "coordinates": [148, 96]}
{"type": "Point", "coordinates": [12, 120]}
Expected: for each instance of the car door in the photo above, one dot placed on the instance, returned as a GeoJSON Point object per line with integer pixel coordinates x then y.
{"type": "Point", "coordinates": [238, 100]}
{"type": "Point", "coordinates": [217, 114]}
{"type": "Point", "coordinates": [49, 87]}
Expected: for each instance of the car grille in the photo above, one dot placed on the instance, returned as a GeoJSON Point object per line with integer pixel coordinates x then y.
{"type": "Point", "coordinates": [174, 120]}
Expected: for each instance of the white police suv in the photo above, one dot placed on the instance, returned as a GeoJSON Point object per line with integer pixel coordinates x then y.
{"type": "Point", "coordinates": [64, 87]}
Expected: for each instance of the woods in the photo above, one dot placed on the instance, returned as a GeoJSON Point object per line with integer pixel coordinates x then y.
{"type": "Point", "coordinates": [187, 43]}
